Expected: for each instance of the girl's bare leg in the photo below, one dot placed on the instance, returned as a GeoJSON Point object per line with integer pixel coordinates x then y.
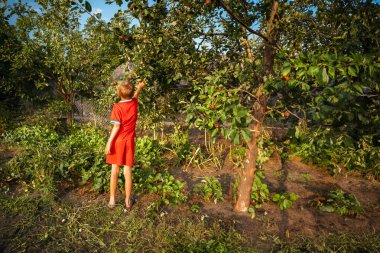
{"type": "Point", "coordinates": [128, 185]}
{"type": "Point", "coordinates": [113, 185]}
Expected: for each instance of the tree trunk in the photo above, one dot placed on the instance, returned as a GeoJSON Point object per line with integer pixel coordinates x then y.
{"type": "Point", "coordinates": [248, 173]}
{"type": "Point", "coordinates": [68, 100]}
{"type": "Point", "coordinates": [258, 113]}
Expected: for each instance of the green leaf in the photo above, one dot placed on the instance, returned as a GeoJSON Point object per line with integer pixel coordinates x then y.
{"type": "Point", "coordinates": [246, 134]}
{"type": "Point", "coordinates": [276, 197]}
{"type": "Point", "coordinates": [313, 70]}
{"type": "Point", "coordinates": [286, 71]}
{"type": "Point", "coordinates": [293, 196]}
{"type": "Point", "coordinates": [358, 87]}
{"type": "Point", "coordinates": [351, 71]}
{"type": "Point", "coordinates": [88, 7]}
{"type": "Point", "coordinates": [236, 139]}
{"type": "Point", "coordinates": [325, 76]}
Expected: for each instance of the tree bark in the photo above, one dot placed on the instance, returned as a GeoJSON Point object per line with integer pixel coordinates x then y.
{"type": "Point", "coordinates": [258, 114]}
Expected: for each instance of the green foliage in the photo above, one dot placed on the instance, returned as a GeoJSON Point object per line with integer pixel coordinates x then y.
{"type": "Point", "coordinates": [195, 208]}
{"type": "Point", "coordinates": [306, 176]}
{"type": "Point", "coordinates": [214, 107]}
{"type": "Point", "coordinates": [31, 136]}
{"type": "Point", "coordinates": [179, 143]}
{"type": "Point", "coordinates": [284, 200]}
{"type": "Point", "coordinates": [259, 191]}
{"type": "Point", "coordinates": [52, 115]}
{"type": "Point", "coordinates": [46, 157]}
{"type": "Point", "coordinates": [148, 152]}
{"type": "Point", "coordinates": [338, 201]}
{"type": "Point", "coordinates": [210, 188]}
{"type": "Point", "coordinates": [264, 151]}
{"type": "Point", "coordinates": [35, 162]}
{"type": "Point", "coordinates": [43, 225]}
{"type": "Point", "coordinates": [237, 156]}
{"type": "Point", "coordinates": [84, 146]}
{"type": "Point", "coordinates": [160, 182]}
{"type": "Point", "coordinates": [335, 151]}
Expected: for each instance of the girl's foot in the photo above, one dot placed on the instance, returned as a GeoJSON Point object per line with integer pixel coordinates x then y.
{"type": "Point", "coordinates": [129, 203]}
{"type": "Point", "coordinates": [111, 205]}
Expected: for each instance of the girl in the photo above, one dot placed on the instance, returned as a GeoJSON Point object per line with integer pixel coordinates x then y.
{"type": "Point", "coordinates": [120, 147]}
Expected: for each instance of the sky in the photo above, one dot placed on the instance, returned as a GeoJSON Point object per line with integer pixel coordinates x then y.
{"type": "Point", "coordinates": [98, 6]}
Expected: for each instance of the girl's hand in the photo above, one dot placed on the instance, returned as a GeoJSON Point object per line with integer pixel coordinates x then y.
{"type": "Point", "coordinates": [107, 150]}
{"type": "Point", "coordinates": [141, 84]}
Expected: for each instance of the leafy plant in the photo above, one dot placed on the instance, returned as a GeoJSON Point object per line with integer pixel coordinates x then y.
{"type": "Point", "coordinates": [335, 151]}
{"type": "Point", "coordinates": [195, 208]}
{"type": "Point", "coordinates": [237, 156]}
{"type": "Point", "coordinates": [179, 142]}
{"type": "Point", "coordinates": [210, 188]}
{"type": "Point", "coordinates": [148, 152]}
{"type": "Point", "coordinates": [31, 136]}
{"type": "Point", "coordinates": [214, 106]}
{"type": "Point", "coordinates": [264, 152]}
{"type": "Point", "coordinates": [160, 182]}
{"type": "Point", "coordinates": [46, 157]}
{"type": "Point", "coordinates": [284, 200]}
{"type": "Point", "coordinates": [338, 201]}
{"type": "Point", "coordinates": [260, 191]}
{"type": "Point", "coordinates": [306, 176]}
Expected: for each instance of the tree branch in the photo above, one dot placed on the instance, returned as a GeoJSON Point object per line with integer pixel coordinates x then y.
{"type": "Point", "coordinates": [211, 34]}
{"type": "Point", "coordinates": [236, 18]}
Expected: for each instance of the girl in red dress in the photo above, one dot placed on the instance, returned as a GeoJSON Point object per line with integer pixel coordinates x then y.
{"type": "Point", "coordinates": [120, 147]}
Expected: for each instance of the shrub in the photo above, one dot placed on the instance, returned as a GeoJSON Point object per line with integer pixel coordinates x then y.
{"type": "Point", "coordinates": [45, 157]}
{"type": "Point", "coordinates": [326, 148]}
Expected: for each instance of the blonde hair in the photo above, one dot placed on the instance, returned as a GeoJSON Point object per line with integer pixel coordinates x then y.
{"type": "Point", "coordinates": [125, 89]}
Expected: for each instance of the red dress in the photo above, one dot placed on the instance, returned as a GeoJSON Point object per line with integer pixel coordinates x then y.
{"type": "Point", "coordinates": [123, 145]}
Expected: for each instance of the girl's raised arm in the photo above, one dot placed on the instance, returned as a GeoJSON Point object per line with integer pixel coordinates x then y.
{"type": "Point", "coordinates": [140, 86]}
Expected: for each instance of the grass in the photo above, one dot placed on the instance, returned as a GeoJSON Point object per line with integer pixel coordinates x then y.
{"type": "Point", "coordinates": [343, 242]}
{"type": "Point", "coordinates": [34, 224]}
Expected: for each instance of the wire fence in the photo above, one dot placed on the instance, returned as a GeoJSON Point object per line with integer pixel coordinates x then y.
{"type": "Point", "coordinates": [85, 110]}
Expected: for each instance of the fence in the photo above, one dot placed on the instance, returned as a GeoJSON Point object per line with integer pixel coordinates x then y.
{"type": "Point", "coordinates": [85, 110]}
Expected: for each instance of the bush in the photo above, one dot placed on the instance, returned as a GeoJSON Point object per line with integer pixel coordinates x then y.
{"type": "Point", "coordinates": [326, 148]}
{"type": "Point", "coordinates": [45, 156]}
{"type": "Point", "coordinates": [31, 136]}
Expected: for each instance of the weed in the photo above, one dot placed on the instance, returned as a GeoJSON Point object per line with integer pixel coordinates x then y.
{"type": "Point", "coordinates": [260, 191]}
{"type": "Point", "coordinates": [284, 200]}
{"type": "Point", "coordinates": [161, 182]}
{"type": "Point", "coordinates": [237, 156]}
{"type": "Point", "coordinates": [38, 225]}
{"type": "Point", "coordinates": [305, 176]}
{"type": "Point", "coordinates": [342, 242]}
{"type": "Point", "coordinates": [210, 188]}
{"type": "Point", "coordinates": [336, 151]}
{"type": "Point", "coordinates": [338, 201]}
{"type": "Point", "coordinates": [148, 152]}
{"type": "Point", "coordinates": [195, 208]}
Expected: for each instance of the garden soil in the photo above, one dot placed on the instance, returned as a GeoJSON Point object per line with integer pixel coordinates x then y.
{"type": "Point", "coordinates": [270, 224]}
